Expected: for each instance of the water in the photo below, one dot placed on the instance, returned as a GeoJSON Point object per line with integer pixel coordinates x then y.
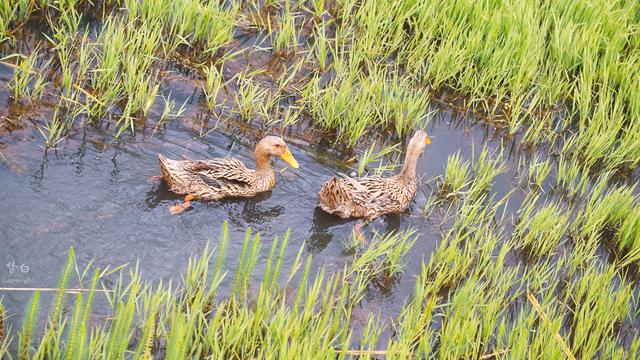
{"type": "Point", "coordinates": [99, 196]}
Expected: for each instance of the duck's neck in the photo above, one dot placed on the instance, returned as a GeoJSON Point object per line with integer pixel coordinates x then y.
{"type": "Point", "coordinates": [408, 171]}
{"type": "Point", "coordinates": [263, 164]}
{"type": "Point", "coordinates": [264, 174]}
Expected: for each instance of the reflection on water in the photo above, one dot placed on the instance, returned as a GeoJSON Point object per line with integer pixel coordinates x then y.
{"type": "Point", "coordinates": [320, 236]}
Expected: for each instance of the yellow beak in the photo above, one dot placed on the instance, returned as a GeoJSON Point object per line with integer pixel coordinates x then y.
{"type": "Point", "coordinates": [427, 141]}
{"type": "Point", "coordinates": [288, 158]}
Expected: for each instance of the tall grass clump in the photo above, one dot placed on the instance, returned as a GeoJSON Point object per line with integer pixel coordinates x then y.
{"type": "Point", "coordinates": [456, 177]}
{"type": "Point", "coordinates": [353, 104]}
{"type": "Point", "coordinates": [125, 62]}
{"type": "Point", "coordinates": [462, 303]}
{"type": "Point", "coordinates": [540, 228]}
{"type": "Point", "coordinates": [249, 97]}
{"type": "Point", "coordinates": [285, 37]}
{"type": "Point", "coordinates": [28, 81]}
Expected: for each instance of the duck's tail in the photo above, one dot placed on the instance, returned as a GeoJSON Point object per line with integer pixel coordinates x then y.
{"type": "Point", "coordinates": [333, 198]}
{"type": "Point", "coordinates": [166, 166]}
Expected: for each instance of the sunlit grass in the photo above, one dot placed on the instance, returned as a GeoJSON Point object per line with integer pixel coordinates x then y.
{"type": "Point", "coordinates": [540, 227]}
{"type": "Point", "coordinates": [456, 177]}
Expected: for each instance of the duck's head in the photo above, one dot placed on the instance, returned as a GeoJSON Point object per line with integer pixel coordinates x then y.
{"type": "Point", "coordinates": [275, 146]}
{"type": "Point", "coordinates": [418, 142]}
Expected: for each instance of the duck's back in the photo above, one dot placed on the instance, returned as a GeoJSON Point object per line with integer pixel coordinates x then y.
{"type": "Point", "coordinates": [366, 197]}
{"type": "Point", "coordinates": [210, 179]}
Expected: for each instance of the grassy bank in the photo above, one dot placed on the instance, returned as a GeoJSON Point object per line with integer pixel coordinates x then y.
{"type": "Point", "coordinates": [558, 73]}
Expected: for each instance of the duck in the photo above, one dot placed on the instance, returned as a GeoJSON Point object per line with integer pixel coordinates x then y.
{"type": "Point", "coordinates": [218, 178]}
{"type": "Point", "coordinates": [373, 196]}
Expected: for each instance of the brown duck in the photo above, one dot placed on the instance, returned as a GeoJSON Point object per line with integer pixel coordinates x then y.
{"type": "Point", "coordinates": [218, 178]}
{"type": "Point", "coordinates": [372, 196]}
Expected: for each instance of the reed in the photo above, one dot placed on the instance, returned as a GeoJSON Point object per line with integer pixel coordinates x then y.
{"type": "Point", "coordinates": [539, 229]}
{"type": "Point", "coordinates": [197, 318]}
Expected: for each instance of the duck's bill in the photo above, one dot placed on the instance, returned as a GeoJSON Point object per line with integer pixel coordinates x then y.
{"type": "Point", "coordinates": [427, 141]}
{"type": "Point", "coordinates": [288, 158]}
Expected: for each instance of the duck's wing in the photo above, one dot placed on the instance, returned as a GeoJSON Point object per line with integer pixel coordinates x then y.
{"type": "Point", "coordinates": [224, 173]}
{"type": "Point", "coordinates": [352, 197]}
{"type": "Point", "coordinates": [366, 197]}
{"type": "Point", "coordinates": [365, 186]}
{"type": "Point", "coordinates": [208, 179]}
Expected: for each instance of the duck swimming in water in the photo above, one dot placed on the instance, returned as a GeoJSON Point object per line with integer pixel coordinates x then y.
{"type": "Point", "coordinates": [218, 178]}
{"type": "Point", "coordinates": [372, 196]}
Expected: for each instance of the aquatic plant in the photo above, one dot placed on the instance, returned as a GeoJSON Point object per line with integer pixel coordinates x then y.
{"type": "Point", "coordinates": [540, 228]}
{"type": "Point", "coordinates": [212, 86]}
{"type": "Point", "coordinates": [538, 171]}
{"type": "Point", "coordinates": [456, 177]}
{"type": "Point", "coordinates": [285, 37]}
{"type": "Point", "coordinates": [485, 169]}
{"type": "Point", "coordinates": [369, 156]}
{"type": "Point", "coordinates": [383, 254]}
{"type": "Point", "coordinates": [248, 97]}
{"type": "Point", "coordinates": [28, 81]}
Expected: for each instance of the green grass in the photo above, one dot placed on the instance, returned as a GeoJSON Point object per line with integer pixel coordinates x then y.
{"type": "Point", "coordinates": [28, 81]}
{"type": "Point", "coordinates": [557, 76]}
{"type": "Point", "coordinates": [522, 64]}
{"type": "Point", "coordinates": [469, 299]}
{"type": "Point", "coordinates": [540, 228]}
{"type": "Point", "coordinates": [456, 177]}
